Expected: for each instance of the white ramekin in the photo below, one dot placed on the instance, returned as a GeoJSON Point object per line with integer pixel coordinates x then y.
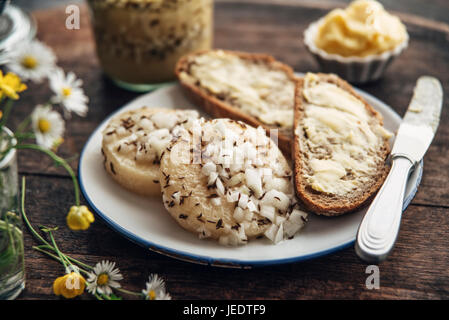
{"type": "Point", "coordinates": [352, 69]}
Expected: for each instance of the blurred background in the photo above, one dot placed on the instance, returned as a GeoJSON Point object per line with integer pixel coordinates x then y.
{"type": "Point", "coordinates": [435, 9]}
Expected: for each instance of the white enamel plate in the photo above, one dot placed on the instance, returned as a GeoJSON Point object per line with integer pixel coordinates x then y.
{"type": "Point", "coordinates": [146, 222]}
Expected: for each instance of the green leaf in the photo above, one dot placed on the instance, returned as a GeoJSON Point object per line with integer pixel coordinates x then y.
{"type": "Point", "coordinates": [47, 229]}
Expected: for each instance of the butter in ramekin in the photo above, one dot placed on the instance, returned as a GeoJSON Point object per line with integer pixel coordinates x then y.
{"type": "Point", "coordinates": [364, 28]}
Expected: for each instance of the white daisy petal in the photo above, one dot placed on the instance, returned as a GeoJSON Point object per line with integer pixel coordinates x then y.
{"type": "Point", "coordinates": [48, 126]}
{"type": "Point", "coordinates": [107, 290]}
{"type": "Point", "coordinates": [68, 92]}
{"type": "Point", "coordinates": [114, 284]}
{"type": "Point", "coordinates": [164, 296]}
{"type": "Point", "coordinates": [155, 289]}
{"type": "Point", "coordinates": [100, 289]}
{"type": "Point", "coordinates": [33, 61]}
{"type": "Point", "coordinates": [104, 278]}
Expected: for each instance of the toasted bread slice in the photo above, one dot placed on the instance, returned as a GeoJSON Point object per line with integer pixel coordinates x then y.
{"type": "Point", "coordinates": [253, 88]}
{"type": "Point", "coordinates": [340, 146]}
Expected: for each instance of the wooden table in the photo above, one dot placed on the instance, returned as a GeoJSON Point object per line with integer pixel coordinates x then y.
{"type": "Point", "coordinates": [418, 267]}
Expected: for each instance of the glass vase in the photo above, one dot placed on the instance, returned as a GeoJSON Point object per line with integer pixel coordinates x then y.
{"type": "Point", "coordinates": [12, 272]}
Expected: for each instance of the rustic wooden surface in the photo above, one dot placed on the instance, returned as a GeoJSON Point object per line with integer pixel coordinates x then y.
{"type": "Point", "coordinates": [418, 267]}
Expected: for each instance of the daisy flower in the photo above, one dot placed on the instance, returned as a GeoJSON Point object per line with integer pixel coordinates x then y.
{"type": "Point", "coordinates": [104, 278]}
{"type": "Point", "coordinates": [155, 289]}
{"type": "Point", "coordinates": [68, 92]}
{"type": "Point", "coordinates": [48, 126]}
{"type": "Point", "coordinates": [33, 61]}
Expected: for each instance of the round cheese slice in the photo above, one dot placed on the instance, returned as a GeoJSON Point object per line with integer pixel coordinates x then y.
{"type": "Point", "coordinates": [134, 141]}
{"type": "Point", "coordinates": [225, 180]}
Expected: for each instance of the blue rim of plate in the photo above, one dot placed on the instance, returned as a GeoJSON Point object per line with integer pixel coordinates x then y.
{"type": "Point", "coordinates": [221, 262]}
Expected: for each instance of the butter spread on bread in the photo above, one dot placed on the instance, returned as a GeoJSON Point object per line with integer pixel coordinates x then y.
{"type": "Point", "coordinates": [254, 88]}
{"type": "Point", "coordinates": [340, 143]}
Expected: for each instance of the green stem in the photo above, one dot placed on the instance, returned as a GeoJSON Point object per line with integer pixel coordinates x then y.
{"type": "Point", "coordinates": [61, 257]}
{"type": "Point", "coordinates": [73, 260]}
{"type": "Point", "coordinates": [24, 124]}
{"type": "Point", "coordinates": [129, 292]}
{"type": "Point", "coordinates": [24, 135]}
{"type": "Point", "coordinates": [6, 112]}
{"type": "Point", "coordinates": [38, 248]}
{"type": "Point", "coordinates": [46, 244]}
{"type": "Point", "coordinates": [25, 218]}
{"type": "Point", "coordinates": [64, 260]}
{"type": "Point", "coordinates": [59, 161]}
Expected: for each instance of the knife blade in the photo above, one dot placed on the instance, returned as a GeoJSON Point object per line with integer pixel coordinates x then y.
{"type": "Point", "coordinates": [421, 119]}
{"type": "Point", "coordinates": [380, 226]}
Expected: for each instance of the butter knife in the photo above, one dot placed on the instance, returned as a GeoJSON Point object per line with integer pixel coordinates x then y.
{"type": "Point", "coordinates": [380, 226]}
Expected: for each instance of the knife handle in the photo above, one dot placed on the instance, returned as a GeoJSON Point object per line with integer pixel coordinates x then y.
{"type": "Point", "coordinates": [380, 226]}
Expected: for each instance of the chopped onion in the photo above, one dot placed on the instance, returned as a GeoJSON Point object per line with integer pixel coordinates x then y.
{"type": "Point", "coordinates": [254, 181]}
{"type": "Point", "coordinates": [212, 178]}
{"type": "Point", "coordinates": [271, 232]}
{"type": "Point", "coordinates": [268, 212]}
{"type": "Point", "coordinates": [239, 214]}
{"type": "Point", "coordinates": [220, 187]}
{"type": "Point", "coordinates": [208, 168]}
{"type": "Point", "coordinates": [243, 201]}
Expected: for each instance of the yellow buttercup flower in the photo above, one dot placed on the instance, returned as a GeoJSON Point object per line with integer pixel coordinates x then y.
{"type": "Point", "coordinates": [79, 218]}
{"type": "Point", "coordinates": [70, 285]}
{"type": "Point", "coordinates": [10, 85]}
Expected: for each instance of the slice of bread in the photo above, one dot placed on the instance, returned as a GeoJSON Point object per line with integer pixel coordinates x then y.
{"type": "Point", "coordinates": [340, 146]}
{"type": "Point", "coordinates": [253, 88]}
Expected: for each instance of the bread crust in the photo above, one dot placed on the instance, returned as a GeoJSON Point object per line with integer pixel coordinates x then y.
{"type": "Point", "coordinates": [219, 109]}
{"type": "Point", "coordinates": [319, 202]}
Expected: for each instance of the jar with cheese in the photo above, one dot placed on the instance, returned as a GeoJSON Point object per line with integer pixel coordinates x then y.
{"type": "Point", "coordinates": [357, 42]}
{"type": "Point", "coordinates": [138, 42]}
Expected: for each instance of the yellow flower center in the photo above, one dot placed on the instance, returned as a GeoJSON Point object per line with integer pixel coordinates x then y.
{"type": "Point", "coordinates": [152, 294]}
{"type": "Point", "coordinates": [29, 62]}
{"type": "Point", "coordinates": [44, 125]}
{"type": "Point", "coordinates": [102, 279]}
{"type": "Point", "coordinates": [66, 91]}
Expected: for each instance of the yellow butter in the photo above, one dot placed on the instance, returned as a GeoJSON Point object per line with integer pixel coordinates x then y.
{"type": "Point", "coordinates": [363, 28]}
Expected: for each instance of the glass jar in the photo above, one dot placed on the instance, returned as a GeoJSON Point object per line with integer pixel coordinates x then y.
{"type": "Point", "coordinates": [138, 42]}
{"type": "Point", "coordinates": [12, 272]}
